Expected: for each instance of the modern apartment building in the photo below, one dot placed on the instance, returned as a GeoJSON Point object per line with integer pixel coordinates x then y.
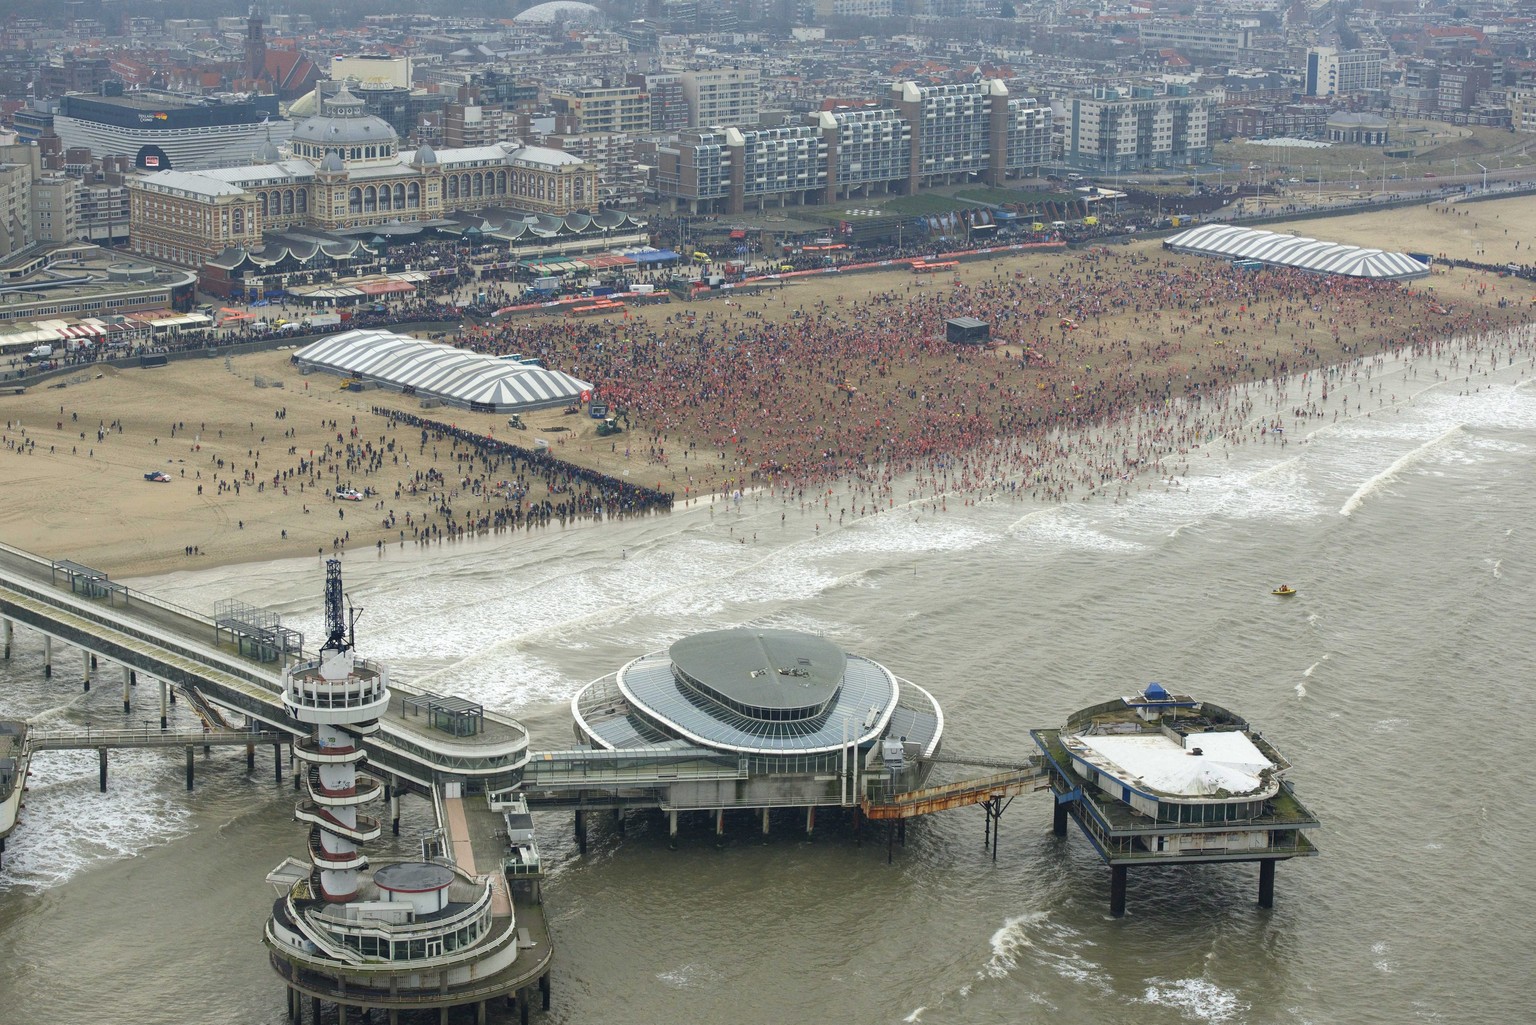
{"type": "Point", "coordinates": [1334, 72]}
{"type": "Point", "coordinates": [1197, 39]}
{"type": "Point", "coordinates": [1118, 129]}
{"type": "Point", "coordinates": [605, 108]}
{"type": "Point", "coordinates": [669, 107]}
{"type": "Point", "coordinates": [933, 135]}
{"type": "Point", "coordinates": [722, 96]}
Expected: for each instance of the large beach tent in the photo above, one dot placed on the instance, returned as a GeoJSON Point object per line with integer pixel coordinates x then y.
{"type": "Point", "coordinates": [1233, 243]}
{"type": "Point", "coordinates": [458, 377]}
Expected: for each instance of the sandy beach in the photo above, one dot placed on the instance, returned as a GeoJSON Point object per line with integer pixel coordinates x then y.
{"type": "Point", "coordinates": [254, 449]}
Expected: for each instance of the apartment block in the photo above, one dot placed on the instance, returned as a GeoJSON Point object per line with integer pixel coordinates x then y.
{"type": "Point", "coordinates": [605, 108]}
{"type": "Point", "coordinates": [1129, 129]}
{"type": "Point", "coordinates": [722, 96]}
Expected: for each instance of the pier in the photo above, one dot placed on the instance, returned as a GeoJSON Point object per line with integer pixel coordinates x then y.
{"type": "Point", "coordinates": [746, 720]}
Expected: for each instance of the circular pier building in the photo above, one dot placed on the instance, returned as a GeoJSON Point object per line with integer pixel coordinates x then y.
{"type": "Point", "coordinates": [757, 718]}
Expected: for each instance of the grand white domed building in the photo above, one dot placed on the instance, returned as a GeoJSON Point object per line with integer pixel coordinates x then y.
{"type": "Point", "coordinates": [345, 169]}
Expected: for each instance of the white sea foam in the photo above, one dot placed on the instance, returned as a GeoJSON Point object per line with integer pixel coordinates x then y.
{"type": "Point", "coordinates": [1036, 939]}
{"type": "Point", "coordinates": [1403, 462]}
{"type": "Point", "coordinates": [68, 825]}
{"type": "Point", "coordinates": [1195, 999]}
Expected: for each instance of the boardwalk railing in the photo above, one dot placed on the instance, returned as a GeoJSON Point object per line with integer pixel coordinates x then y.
{"type": "Point", "coordinates": [68, 740]}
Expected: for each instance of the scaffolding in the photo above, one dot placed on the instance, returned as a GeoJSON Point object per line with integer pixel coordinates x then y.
{"type": "Point", "coordinates": [256, 633]}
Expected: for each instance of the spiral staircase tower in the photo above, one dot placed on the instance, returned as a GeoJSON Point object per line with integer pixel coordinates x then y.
{"type": "Point", "coordinates": [342, 697]}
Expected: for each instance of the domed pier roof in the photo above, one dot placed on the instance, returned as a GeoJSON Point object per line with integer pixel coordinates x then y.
{"type": "Point", "coordinates": [760, 691]}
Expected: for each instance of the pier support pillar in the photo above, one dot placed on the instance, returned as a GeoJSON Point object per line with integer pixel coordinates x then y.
{"type": "Point", "coordinates": [47, 657]}
{"type": "Point", "coordinates": [890, 843]}
{"type": "Point", "coordinates": [719, 827]}
{"type": "Point", "coordinates": [765, 823]}
{"type": "Point", "coordinates": [544, 989]}
{"type": "Point", "coordinates": [810, 822]}
{"type": "Point", "coordinates": [1117, 891]}
{"type": "Point", "coordinates": [127, 683]}
{"type": "Point", "coordinates": [618, 819]}
{"type": "Point", "coordinates": [672, 829]}
{"type": "Point", "coordinates": [93, 661]}
{"type": "Point", "coordinates": [314, 1007]}
{"type": "Point", "coordinates": [101, 765]}
{"type": "Point", "coordinates": [581, 836]}
{"type": "Point", "coordinates": [133, 677]}
{"type": "Point", "coordinates": [394, 807]}
{"type": "Point", "coordinates": [164, 719]}
{"type": "Point", "coordinates": [250, 756]}
{"type": "Point", "coordinates": [190, 763]}
{"type": "Point", "coordinates": [341, 1014]}
{"type": "Point", "coordinates": [1267, 884]}
{"type": "Point", "coordinates": [480, 1013]}
{"type": "Point", "coordinates": [522, 1006]}
{"type": "Point", "coordinates": [1059, 820]}
{"type": "Point", "coordinates": [90, 663]}
{"type": "Point", "coordinates": [7, 630]}
{"type": "Point", "coordinates": [277, 762]}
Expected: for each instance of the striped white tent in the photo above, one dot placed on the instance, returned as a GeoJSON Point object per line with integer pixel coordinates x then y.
{"type": "Point", "coordinates": [1230, 242]}
{"type": "Point", "coordinates": [458, 377]}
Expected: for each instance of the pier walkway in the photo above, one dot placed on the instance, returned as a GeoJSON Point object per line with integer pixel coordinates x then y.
{"type": "Point", "coordinates": [203, 658]}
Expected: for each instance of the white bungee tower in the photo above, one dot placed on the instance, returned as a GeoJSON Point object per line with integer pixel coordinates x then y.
{"type": "Point", "coordinates": [343, 698]}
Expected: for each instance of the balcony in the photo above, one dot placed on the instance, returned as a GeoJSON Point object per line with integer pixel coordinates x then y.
{"type": "Point", "coordinates": [362, 792]}
{"type": "Point", "coordinates": [309, 750]}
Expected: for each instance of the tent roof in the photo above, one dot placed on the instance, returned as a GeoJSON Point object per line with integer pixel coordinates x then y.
{"type": "Point", "coordinates": [1230, 242]}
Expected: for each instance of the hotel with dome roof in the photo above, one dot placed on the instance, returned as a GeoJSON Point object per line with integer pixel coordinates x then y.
{"type": "Point", "coordinates": [345, 170]}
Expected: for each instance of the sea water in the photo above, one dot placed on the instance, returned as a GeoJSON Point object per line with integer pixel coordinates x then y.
{"type": "Point", "coordinates": [1397, 681]}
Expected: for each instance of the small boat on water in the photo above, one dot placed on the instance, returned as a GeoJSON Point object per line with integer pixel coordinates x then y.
{"type": "Point", "coordinates": [1284, 591]}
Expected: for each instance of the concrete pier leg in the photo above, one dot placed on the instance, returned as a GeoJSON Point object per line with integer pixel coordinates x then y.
{"type": "Point", "coordinates": [164, 718]}
{"type": "Point", "coordinates": [1059, 820]}
{"type": "Point", "coordinates": [190, 763]}
{"type": "Point", "coordinates": [672, 829]}
{"type": "Point", "coordinates": [480, 1013]}
{"type": "Point", "coordinates": [93, 661]}
{"type": "Point", "coordinates": [250, 756]}
{"type": "Point", "coordinates": [890, 843]}
{"type": "Point", "coordinates": [810, 822]}
{"type": "Point", "coordinates": [522, 1006]}
{"type": "Point", "coordinates": [719, 827]}
{"type": "Point", "coordinates": [544, 989]}
{"type": "Point", "coordinates": [1117, 891]}
{"type": "Point", "coordinates": [618, 819]}
{"type": "Point", "coordinates": [277, 763]}
{"type": "Point", "coordinates": [1266, 884]}
{"type": "Point", "coordinates": [581, 833]}
{"type": "Point", "coordinates": [341, 1014]}
{"type": "Point", "coordinates": [7, 630]}
{"type": "Point", "coordinates": [314, 1008]}
{"type": "Point", "coordinates": [765, 823]}
{"type": "Point", "coordinates": [127, 683]}
{"type": "Point", "coordinates": [101, 764]}
{"type": "Point", "coordinates": [47, 658]}
{"type": "Point", "coordinates": [394, 807]}
{"type": "Point", "coordinates": [89, 661]}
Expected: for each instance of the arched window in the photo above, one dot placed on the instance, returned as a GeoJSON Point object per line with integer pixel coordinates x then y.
{"type": "Point", "coordinates": [261, 203]}
{"type": "Point", "coordinates": [453, 186]}
{"type": "Point", "coordinates": [370, 200]}
{"type": "Point", "coordinates": [354, 200]}
{"type": "Point", "coordinates": [301, 201]}
{"type": "Point", "coordinates": [288, 201]}
{"type": "Point", "coordinates": [384, 197]}
{"type": "Point", "coordinates": [479, 184]}
{"type": "Point", "coordinates": [501, 183]}
{"type": "Point", "coordinates": [413, 195]}
{"type": "Point", "coordinates": [399, 196]}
